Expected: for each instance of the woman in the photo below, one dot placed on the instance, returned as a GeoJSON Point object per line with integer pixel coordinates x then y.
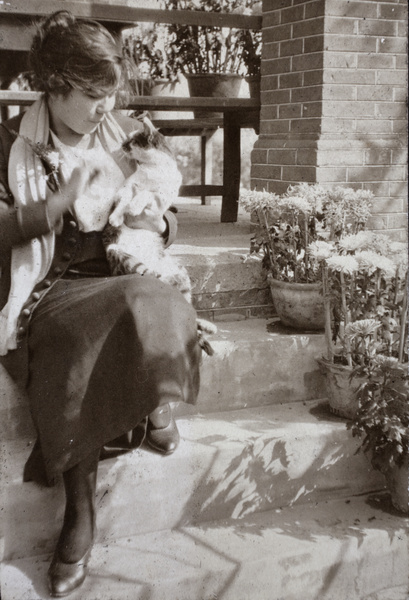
{"type": "Point", "coordinates": [106, 354]}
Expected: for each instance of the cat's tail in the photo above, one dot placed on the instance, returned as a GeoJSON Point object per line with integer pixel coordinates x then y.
{"type": "Point", "coordinates": [205, 328]}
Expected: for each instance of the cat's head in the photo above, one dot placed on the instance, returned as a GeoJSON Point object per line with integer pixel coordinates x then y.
{"type": "Point", "coordinates": [142, 141]}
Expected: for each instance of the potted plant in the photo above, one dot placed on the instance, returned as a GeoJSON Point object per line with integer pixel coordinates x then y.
{"type": "Point", "coordinates": [211, 58]}
{"type": "Point", "coordinates": [149, 71]}
{"type": "Point", "coordinates": [288, 225]}
{"type": "Point", "coordinates": [382, 420]}
{"type": "Point", "coordinates": [364, 286]}
{"type": "Point", "coordinates": [251, 42]}
{"type": "Point", "coordinates": [143, 46]}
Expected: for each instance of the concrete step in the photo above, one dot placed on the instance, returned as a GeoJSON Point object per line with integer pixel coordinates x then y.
{"type": "Point", "coordinates": [349, 549]}
{"type": "Point", "coordinates": [213, 254]}
{"type": "Point", "coordinates": [251, 366]}
{"type": "Point", "coordinates": [220, 276]}
{"type": "Point", "coordinates": [256, 363]}
{"type": "Point", "coordinates": [228, 465]}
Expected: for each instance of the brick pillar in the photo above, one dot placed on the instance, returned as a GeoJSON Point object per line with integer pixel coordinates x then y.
{"type": "Point", "coordinates": [334, 100]}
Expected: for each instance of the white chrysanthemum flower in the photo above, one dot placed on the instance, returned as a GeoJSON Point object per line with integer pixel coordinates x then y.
{"type": "Point", "coordinates": [381, 244]}
{"type": "Point", "coordinates": [297, 203]}
{"type": "Point", "coordinates": [398, 247]}
{"type": "Point", "coordinates": [386, 362]}
{"type": "Point", "coordinates": [367, 260]}
{"type": "Point", "coordinates": [362, 328]}
{"type": "Point", "coordinates": [399, 256]}
{"type": "Point", "coordinates": [315, 194]}
{"type": "Point", "coordinates": [357, 241]}
{"type": "Point", "coordinates": [387, 266]}
{"type": "Point", "coordinates": [321, 250]}
{"type": "Point", "coordinates": [344, 264]}
{"type": "Point", "coordinates": [371, 261]}
{"type": "Point", "coordinates": [253, 200]}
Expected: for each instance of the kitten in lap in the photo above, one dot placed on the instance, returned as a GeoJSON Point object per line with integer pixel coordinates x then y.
{"type": "Point", "coordinates": [156, 180]}
{"type": "Point", "coordinates": [131, 249]}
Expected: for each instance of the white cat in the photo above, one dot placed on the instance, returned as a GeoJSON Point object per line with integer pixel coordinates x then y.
{"type": "Point", "coordinates": [131, 249]}
{"type": "Point", "coordinates": [156, 181]}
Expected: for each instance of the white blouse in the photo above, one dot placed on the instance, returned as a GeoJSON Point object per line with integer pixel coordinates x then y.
{"type": "Point", "coordinates": [93, 209]}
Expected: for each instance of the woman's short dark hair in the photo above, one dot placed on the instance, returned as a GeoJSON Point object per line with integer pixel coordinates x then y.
{"type": "Point", "coordinates": [75, 53]}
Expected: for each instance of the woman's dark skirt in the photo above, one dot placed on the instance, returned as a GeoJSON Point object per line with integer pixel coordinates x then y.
{"type": "Point", "coordinates": [103, 354]}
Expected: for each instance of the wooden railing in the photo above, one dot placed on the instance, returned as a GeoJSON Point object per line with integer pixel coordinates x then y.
{"type": "Point", "coordinates": [17, 17]}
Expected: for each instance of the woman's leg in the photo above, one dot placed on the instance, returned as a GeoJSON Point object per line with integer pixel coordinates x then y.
{"type": "Point", "coordinates": [69, 565]}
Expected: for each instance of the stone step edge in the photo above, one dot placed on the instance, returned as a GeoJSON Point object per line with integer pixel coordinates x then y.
{"type": "Point", "coordinates": [355, 548]}
{"type": "Point", "coordinates": [235, 313]}
{"type": "Point", "coordinates": [229, 378]}
{"type": "Point", "coordinates": [265, 458]}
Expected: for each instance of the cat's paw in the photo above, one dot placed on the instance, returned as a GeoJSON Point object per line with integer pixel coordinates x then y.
{"type": "Point", "coordinates": [206, 326]}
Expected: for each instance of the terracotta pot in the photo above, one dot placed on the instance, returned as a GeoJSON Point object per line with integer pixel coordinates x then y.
{"type": "Point", "coordinates": [299, 305]}
{"type": "Point", "coordinates": [164, 87]}
{"type": "Point", "coordinates": [397, 481]}
{"type": "Point", "coordinates": [213, 85]}
{"type": "Point", "coordinates": [341, 389]}
{"type": "Point", "coordinates": [254, 83]}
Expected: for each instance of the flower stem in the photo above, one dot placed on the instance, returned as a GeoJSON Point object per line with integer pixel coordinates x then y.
{"type": "Point", "coordinates": [403, 321]}
{"type": "Point", "coordinates": [327, 313]}
{"type": "Point", "coordinates": [261, 213]}
{"type": "Point", "coordinates": [346, 318]}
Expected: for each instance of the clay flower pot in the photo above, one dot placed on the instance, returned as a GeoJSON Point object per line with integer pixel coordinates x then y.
{"type": "Point", "coordinates": [397, 481]}
{"type": "Point", "coordinates": [299, 305]}
{"type": "Point", "coordinates": [213, 85]}
{"type": "Point", "coordinates": [254, 82]}
{"type": "Point", "coordinates": [341, 389]}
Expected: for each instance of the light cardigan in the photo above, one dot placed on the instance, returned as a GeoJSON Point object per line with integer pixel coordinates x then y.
{"type": "Point", "coordinates": [31, 260]}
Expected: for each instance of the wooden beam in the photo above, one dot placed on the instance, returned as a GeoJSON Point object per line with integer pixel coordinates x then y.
{"type": "Point", "coordinates": [18, 98]}
{"type": "Point", "coordinates": [184, 103]}
{"type": "Point", "coordinates": [243, 105]}
{"type": "Point", "coordinates": [201, 190]}
{"type": "Point", "coordinates": [187, 126]}
{"type": "Point", "coordinates": [16, 33]}
{"type": "Point", "coordinates": [127, 16]}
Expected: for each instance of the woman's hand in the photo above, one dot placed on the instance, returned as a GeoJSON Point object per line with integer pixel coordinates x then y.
{"type": "Point", "coordinates": [151, 217]}
{"type": "Point", "coordinates": [148, 219]}
{"type": "Point", "coordinates": [70, 189]}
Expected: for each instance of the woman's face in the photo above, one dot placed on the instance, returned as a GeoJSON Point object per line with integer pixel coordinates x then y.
{"type": "Point", "coordinates": [78, 114]}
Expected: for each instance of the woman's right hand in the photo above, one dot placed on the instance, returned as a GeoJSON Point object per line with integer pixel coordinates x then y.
{"type": "Point", "coordinates": [70, 189]}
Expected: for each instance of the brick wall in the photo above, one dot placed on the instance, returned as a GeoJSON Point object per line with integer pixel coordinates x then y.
{"type": "Point", "coordinates": [334, 100]}
{"type": "Point", "coordinates": [291, 93]}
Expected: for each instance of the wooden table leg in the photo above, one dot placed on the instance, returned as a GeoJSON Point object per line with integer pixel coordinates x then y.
{"type": "Point", "coordinates": [206, 165]}
{"type": "Point", "coordinates": [231, 169]}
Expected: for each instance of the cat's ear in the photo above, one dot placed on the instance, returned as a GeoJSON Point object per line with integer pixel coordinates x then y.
{"type": "Point", "coordinates": [148, 127]}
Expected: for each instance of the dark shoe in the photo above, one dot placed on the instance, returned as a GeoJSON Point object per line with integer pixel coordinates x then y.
{"type": "Point", "coordinates": [64, 578]}
{"type": "Point", "coordinates": [163, 439]}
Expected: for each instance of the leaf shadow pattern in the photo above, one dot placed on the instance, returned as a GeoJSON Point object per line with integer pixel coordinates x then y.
{"type": "Point", "coordinates": [269, 471]}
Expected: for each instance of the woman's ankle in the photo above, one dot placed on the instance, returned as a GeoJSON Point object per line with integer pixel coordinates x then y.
{"type": "Point", "coordinates": [160, 417]}
{"type": "Point", "coordinates": [77, 534]}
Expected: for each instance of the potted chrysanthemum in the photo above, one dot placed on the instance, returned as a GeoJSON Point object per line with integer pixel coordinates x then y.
{"type": "Point", "coordinates": [365, 295]}
{"type": "Point", "coordinates": [382, 420]}
{"type": "Point", "coordinates": [292, 236]}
